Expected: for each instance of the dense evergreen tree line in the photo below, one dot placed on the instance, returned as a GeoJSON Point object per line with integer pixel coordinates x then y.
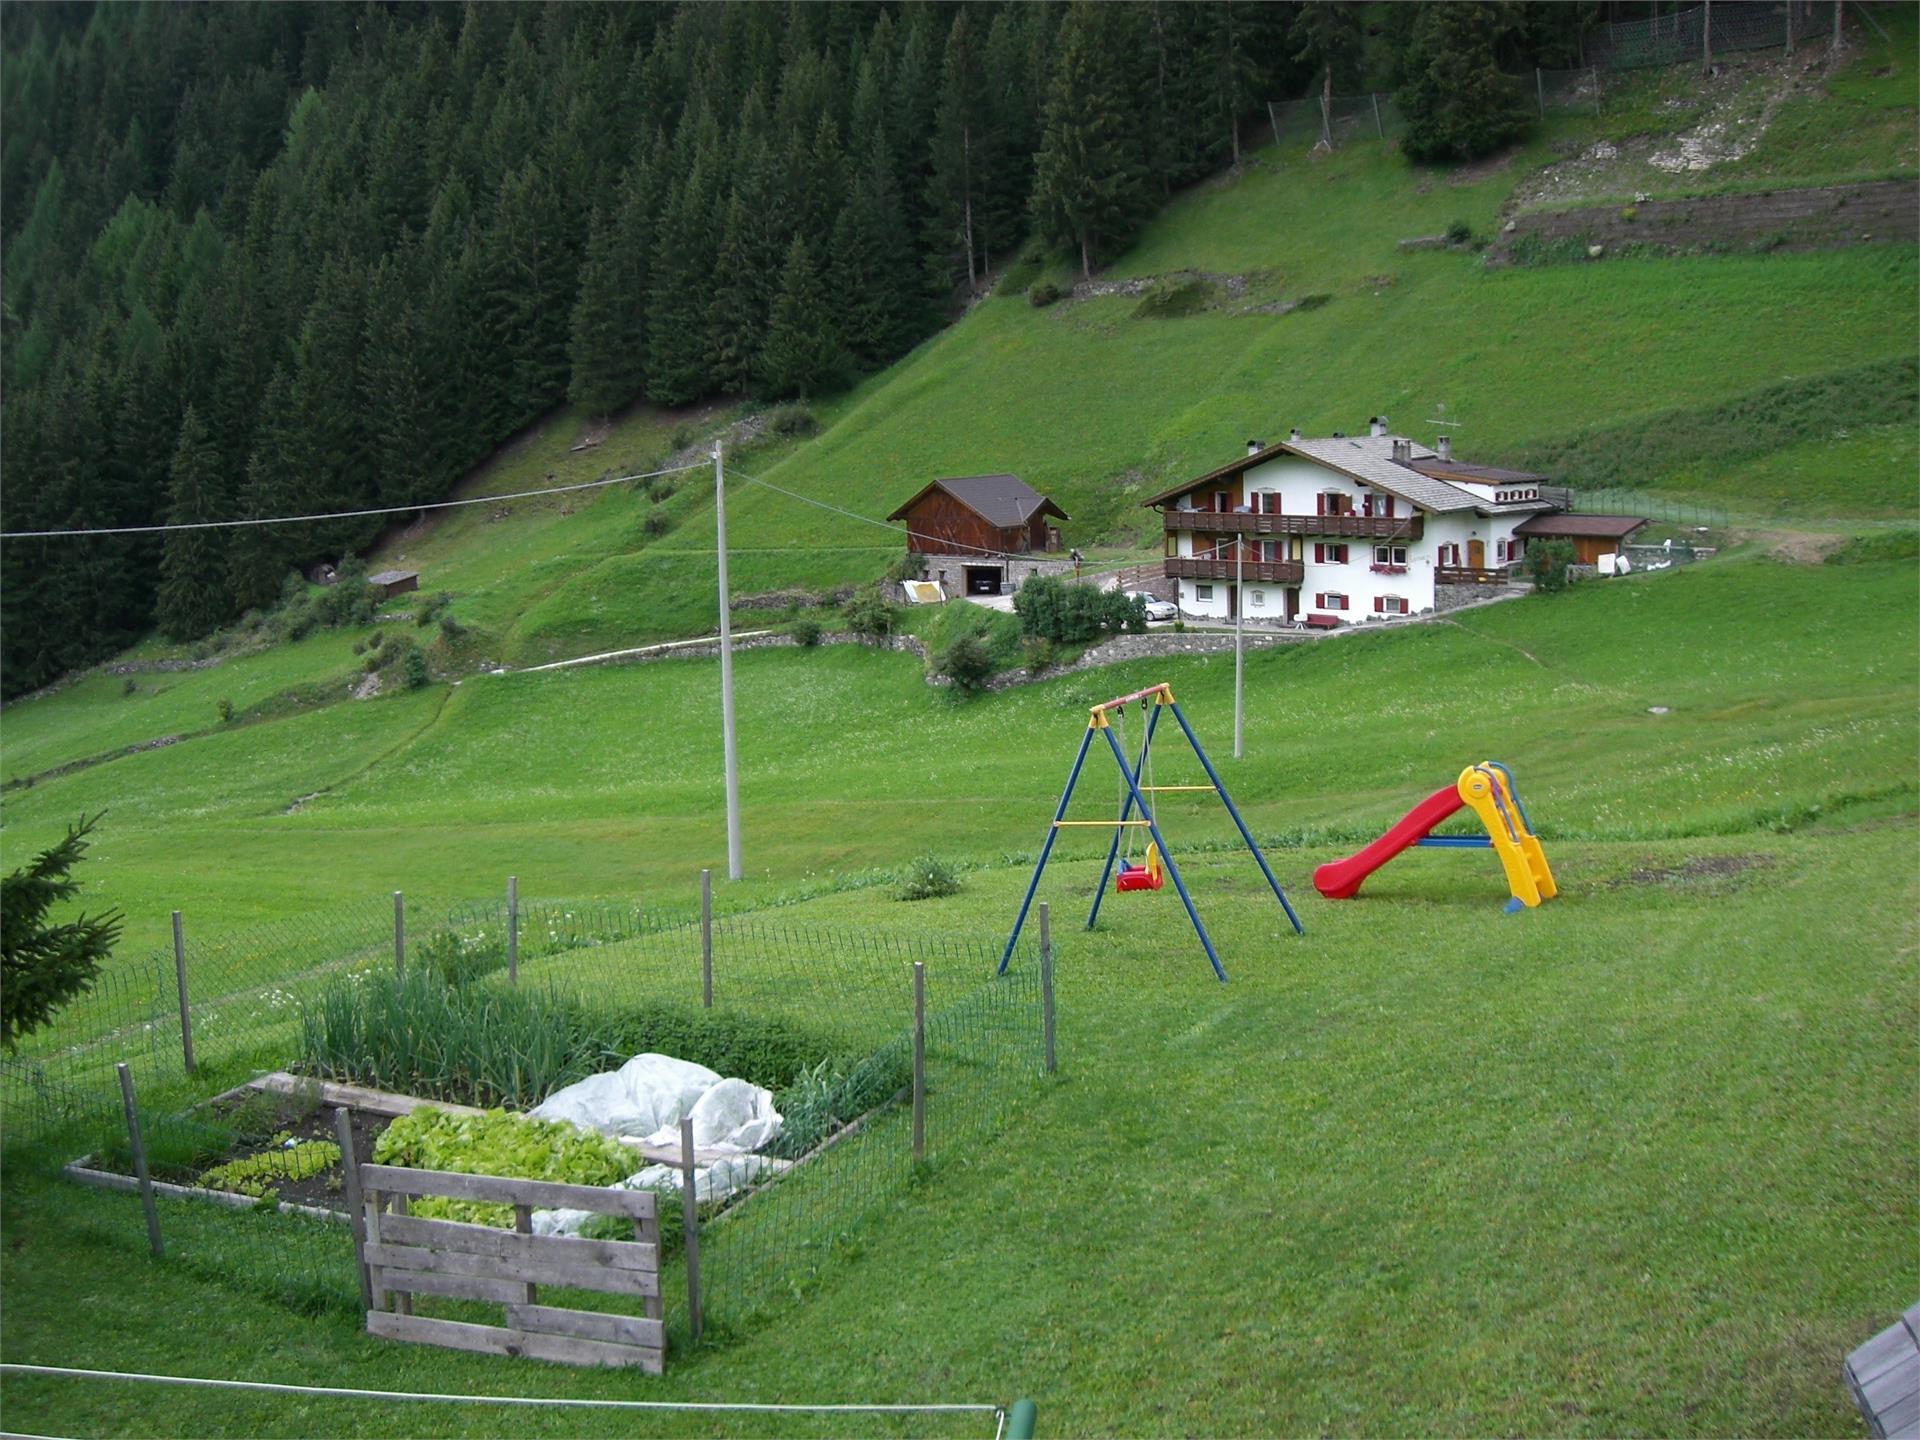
{"type": "Point", "coordinates": [263, 259]}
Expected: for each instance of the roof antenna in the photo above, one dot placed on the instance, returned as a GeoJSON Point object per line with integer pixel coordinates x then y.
{"type": "Point", "coordinates": [1443, 445]}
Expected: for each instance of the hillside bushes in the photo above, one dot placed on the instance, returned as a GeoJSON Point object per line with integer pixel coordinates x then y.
{"type": "Point", "coordinates": [1073, 614]}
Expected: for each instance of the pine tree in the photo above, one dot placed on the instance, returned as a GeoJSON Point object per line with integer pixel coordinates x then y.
{"type": "Point", "coordinates": [193, 599]}
{"type": "Point", "coordinates": [733, 323]}
{"type": "Point", "coordinates": [1089, 188]}
{"type": "Point", "coordinates": [871, 263]}
{"type": "Point", "coordinates": [44, 966]}
{"type": "Point", "coordinates": [607, 366]}
{"type": "Point", "coordinates": [1457, 103]}
{"type": "Point", "coordinates": [677, 347]}
{"type": "Point", "coordinates": [1327, 35]}
{"type": "Point", "coordinates": [963, 159]}
{"type": "Point", "coordinates": [803, 355]}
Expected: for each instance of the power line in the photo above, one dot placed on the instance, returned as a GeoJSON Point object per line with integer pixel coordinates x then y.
{"type": "Point", "coordinates": [344, 514]}
{"type": "Point", "coordinates": [346, 1393]}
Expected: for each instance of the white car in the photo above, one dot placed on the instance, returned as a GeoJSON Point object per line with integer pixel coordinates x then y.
{"type": "Point", "coordinates": [1157, 609]}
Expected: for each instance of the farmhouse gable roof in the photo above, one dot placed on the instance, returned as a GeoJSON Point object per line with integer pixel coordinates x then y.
{"type": "Point", "coordinates": [1003, 501]}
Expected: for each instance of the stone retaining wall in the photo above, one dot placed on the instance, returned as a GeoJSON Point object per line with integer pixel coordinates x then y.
{"type": "Point", "coordinates": [1825, 217]}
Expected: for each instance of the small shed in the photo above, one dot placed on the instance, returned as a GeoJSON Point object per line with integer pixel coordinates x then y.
{"type": "Point", "coordinates": [390, 583]}
{"type": "Point", "coordinates": [1592, 535]}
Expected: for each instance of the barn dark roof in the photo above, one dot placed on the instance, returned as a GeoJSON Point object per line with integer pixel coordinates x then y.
{"type": "Point", "coordinates": [1602, 527]}
{"type": "Point", "coordinates": [392, 577]}
{"type": "Point", "coordinates": [1003, 501]}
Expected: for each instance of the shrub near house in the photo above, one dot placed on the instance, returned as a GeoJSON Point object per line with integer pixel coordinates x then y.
{"type": "Point", "coordinates": [1073, 614]}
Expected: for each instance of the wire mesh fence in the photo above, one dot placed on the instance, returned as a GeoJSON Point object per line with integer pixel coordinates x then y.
{"type": "Point", "coordinates": [1679, 37]}
{"type": "Point", "coordinates": [1700, 32]}
{"type": "Point", "coordinates": [253, 996]}
{"type": "Point", "coordinates": [1657, 508]}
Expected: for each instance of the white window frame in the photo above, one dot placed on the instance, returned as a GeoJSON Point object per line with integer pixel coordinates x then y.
{"type": "Point", "coordinates": [1202, 594]}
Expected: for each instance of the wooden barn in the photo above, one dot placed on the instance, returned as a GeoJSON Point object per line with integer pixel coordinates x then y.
{"type": "Point", "coordinates": [1592, 535]}
{"type": "Point", "coordinates": [390, 583]}
{"type": "Point", "coordinates": [980, 519]}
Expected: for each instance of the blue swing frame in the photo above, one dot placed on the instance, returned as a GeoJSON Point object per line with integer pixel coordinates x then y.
{"type": "Point", "coordinates": [1161, 698]}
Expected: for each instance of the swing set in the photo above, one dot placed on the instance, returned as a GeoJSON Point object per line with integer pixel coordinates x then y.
{"type": "Point", "coordinates": [1156, 863]}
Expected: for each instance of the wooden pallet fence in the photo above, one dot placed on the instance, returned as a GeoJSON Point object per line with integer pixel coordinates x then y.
{"type": "Point", "coordinates": [403, 1255]}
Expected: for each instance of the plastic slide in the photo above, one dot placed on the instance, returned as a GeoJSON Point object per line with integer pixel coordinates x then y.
{"type": "Point", "coordinates": [1341, 879]}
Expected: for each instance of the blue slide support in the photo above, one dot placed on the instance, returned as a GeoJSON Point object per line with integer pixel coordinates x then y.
{"type": "Point", "coordinates": [1053, 830]}
{"type": "Point", "coordinates": [1113, 850]}
{"type": "Point", "coordinates": [1245, 834]}
{"type": "Point", "coordinates": [1166, 857]}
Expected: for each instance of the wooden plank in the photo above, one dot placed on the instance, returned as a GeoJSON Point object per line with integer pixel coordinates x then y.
{"type": "Point", "coordinates": [508, 1190]}
{"type": "Point", "coordinates": [513, 1267]}
{"type": "Point", "coordinates": [493, 1340]}
{"type": "Point", "coordinates": [357, 1097]}
{"type": "Point", "coordinates": [402, 1302]}
{"type": "Point", "coordinates": [588, 1325]}
{"type": "Point", "coordinates": [454, 1287]}
{"type": "Point", "coordinates": [370, 1235]}
{"type": "Point", "coordinates": [1885, 1350]}
{"type": "Point", "coordinates": [523, 1225]}
{"type": "Point", "coordinates": [485, 1240]}
{"type": "Point", "coordinates": [350, 1181]}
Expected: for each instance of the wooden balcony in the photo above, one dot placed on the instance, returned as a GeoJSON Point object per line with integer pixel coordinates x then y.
{"type": "Point", "coordinates": [1468, 575]}
{"type": "Point", "coordinates": [1359, 527]}
{"type": "Point", "coordinates": [1272, 572]}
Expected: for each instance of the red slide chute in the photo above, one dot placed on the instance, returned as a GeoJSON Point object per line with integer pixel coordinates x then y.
{"type": "Point", "coordinates": [1341, 879]}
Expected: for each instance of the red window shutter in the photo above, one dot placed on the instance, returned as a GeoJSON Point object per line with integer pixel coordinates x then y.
{"type": "Point", "coordinates": [1389, 507]}
{"type": "Point", "coordinates": [1320, 503]}
{"type": "Point", "coordinates": [1319, 600]}
{"type": "Point", "coordinates": [1319, 554]}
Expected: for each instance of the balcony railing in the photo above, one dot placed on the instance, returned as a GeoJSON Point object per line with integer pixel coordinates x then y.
{"type": "Point", "coordinates": [1468, 575]}
{"type": "Point", "coordinates": [1273, 572]}
{"type": "Point", "coordinates": [1366, 527]}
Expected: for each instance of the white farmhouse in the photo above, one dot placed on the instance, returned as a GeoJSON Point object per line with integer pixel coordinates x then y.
{"type": "Point", "coordinates": [1338, 529]}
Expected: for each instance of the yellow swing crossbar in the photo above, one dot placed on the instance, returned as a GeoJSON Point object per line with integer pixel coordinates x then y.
{"type": "Point", "coordinates": [1164, 789]}
{"type": "Point", "coordinates": [1095, 824]}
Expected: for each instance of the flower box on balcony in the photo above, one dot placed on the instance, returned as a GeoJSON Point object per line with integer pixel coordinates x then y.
{"type": "Point", "coordinates": [1389, 569]}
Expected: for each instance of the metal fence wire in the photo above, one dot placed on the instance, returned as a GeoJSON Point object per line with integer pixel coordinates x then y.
{"type": "Point", "coordinates": [1676, 38]}
{"type": "Point", "coordinates": [249, 989]}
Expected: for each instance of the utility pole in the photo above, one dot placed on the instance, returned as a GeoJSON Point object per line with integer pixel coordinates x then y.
{"type": "Point", "coordinates": [726, 671]}
{"type": "Point", "coordinates": [1239, 622]}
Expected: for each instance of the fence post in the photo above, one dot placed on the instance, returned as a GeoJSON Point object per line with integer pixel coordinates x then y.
{"type": "Point", "coordinates": [1273, 120]}
{"type": "Point", "coordinates": [513, 929]}
{"type": "Point", "coordinates": [690, 1224]}
{"type": "Point", "coordinates": [706, 939]}
{"type": "Point", "coordinates": [1379, 129]}
{"type": "Point", "coordinates": [1046, 985]}
{"type": "Point", "coordinates": [1326, 121]}
{"type": "Point", "coordinates": [1540, 89]}
{"type": "Point", "coordinates": [140, 1160]}
{"type": "Point", "coordinates": [919, 1061]}
{"type": "Point", "coordinates": [399, 936]}
{"type": "Point", "coordinates": [1706, 37]}
{"type": "Point", "coordinates": [180, 985]}
{"type": "Point", "coordinates": [350, 1190]}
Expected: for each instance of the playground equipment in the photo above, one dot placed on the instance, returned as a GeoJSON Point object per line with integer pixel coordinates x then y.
{"type": "Point", "coordinates": [1105, 719]}
{"type": "Point", "coordinates": [1488, 790]}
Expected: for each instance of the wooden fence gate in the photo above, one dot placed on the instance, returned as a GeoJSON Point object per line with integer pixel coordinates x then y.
{"type": "Point", "coordinates": [401, 1256]}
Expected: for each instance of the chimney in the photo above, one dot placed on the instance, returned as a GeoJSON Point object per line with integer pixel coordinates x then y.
{"type": "Point", "coordinates": [1295, 436]}
{"type": "Point", "coordinates": [1254, 447]}
{"type": "Point", "coordinates": [1402, 449]}
{"type": "Point", "coordinates": [1378, 425]}
{"type": "Point", "coordinates": [1444, 446]}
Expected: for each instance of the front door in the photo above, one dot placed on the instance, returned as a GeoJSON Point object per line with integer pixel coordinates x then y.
{"type": "Point", "coordinates": [1476, 554]}
{"type": "Point", "coordinates": [1233, 601]}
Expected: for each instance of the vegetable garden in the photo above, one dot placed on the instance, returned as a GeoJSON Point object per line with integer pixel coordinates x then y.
{"type": "Point", "coordinates": [479, 1017]}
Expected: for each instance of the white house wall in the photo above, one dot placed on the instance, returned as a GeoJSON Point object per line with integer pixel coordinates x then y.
{"type": "Point", "coordinates": [1299, 484]}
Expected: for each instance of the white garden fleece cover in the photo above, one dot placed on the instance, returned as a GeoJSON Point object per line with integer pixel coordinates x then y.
{"type": "Point", "coordinates": [645, 1099]}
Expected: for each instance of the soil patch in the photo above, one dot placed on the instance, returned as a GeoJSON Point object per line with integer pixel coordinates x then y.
{"type": "Point", "coordinates": [1706, 867]}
